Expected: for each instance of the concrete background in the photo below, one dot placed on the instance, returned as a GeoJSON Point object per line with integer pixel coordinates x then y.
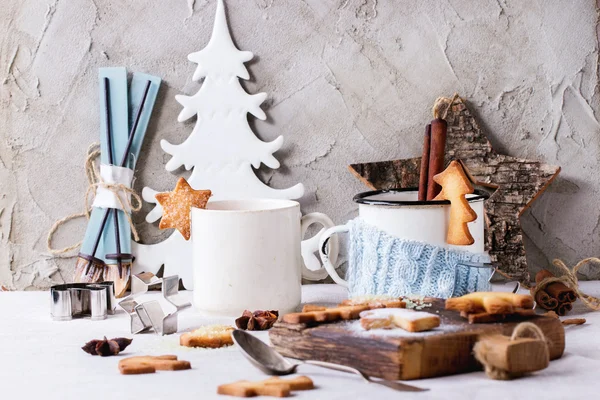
{"type": "Point", "coordinates": [348, 81]}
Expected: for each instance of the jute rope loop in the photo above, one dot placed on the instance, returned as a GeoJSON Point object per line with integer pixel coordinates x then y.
{"type": "Point", "coordinates": [442, 106]}
{"type": "Point", "coordinates": [482, 351]}
{"type": "Point", "coordinates": [94, 181]}
{"type": "Point", "coordinates": [527, 327]}
{"type": "Point", "coordinates": [569, 278]}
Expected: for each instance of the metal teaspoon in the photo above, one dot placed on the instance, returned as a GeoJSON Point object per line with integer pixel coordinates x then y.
{"type": "Point", "coordinates": [271, 362]}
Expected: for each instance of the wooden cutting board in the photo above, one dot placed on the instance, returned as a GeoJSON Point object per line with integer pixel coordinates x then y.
{"type": "Point", "coordinates": [397, 354]}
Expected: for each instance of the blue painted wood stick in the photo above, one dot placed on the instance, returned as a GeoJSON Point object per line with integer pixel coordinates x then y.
{"type": "Point", "coordinates": [109, 145]}
{"type": "Point", "coordinates": [119, 126]}
{"type": "Point", "coordinates": [137, 91]}
{"type": "Point", "coordinates": [128, 121]}
{"type": "Point", "coordinates": [118, 256]}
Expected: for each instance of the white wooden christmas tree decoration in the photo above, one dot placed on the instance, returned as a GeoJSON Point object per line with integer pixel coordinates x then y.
{"type": "Point", "coordinates": [221, 150]}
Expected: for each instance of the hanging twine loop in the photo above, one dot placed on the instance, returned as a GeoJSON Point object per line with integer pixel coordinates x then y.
{"type": "Point", "coordinates": [94, 181]}
{"type": "Point", "coordinates": [569, 278]}
{"type": "Point", "coordinates": [442, 106]}
{"type": "Point", "coordinates": [524, 329]}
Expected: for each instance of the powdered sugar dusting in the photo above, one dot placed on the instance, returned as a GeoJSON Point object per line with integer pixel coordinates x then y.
{"type": "Point", "coordinates": [355, 328]}
{"type": "Point", "coordinates": [408, 315]}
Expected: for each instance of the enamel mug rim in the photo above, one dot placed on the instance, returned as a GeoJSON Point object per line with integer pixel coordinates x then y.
{"type": "Point", "coordinates": [364, 198]}
{"type": "Point", "coordinates": [253, 205]}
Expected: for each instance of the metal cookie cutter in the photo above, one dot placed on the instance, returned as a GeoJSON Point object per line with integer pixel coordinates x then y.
{"type": "Point", "coordinates": [150, 314]}
{"type": "Point", "coordinates": [496, 275]}
{"type": "Point", "coordinates": [82, 300]}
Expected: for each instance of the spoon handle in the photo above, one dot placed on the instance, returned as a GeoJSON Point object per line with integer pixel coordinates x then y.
{"type": "Point", "coordinates": [401, 387]}
{"type": "Point", "coordinates": [391, 384]}
{"type": "Point", "coordinates": [337, 367]}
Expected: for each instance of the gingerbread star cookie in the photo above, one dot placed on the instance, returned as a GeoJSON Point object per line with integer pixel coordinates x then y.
{"type": "Point", "coordinates": [177, 206]}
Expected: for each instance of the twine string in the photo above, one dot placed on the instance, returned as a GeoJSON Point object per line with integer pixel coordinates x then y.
{"type": "Point", "coordinates": [442, 105]}
{"type": "Point", "coordinates": [569, 279]}
{"type": "Point", "coordinates": [527, 327]}
{"type": "Point", "coordinates": [94, 181]}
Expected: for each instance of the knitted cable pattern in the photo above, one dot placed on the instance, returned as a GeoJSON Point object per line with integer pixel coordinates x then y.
{"type": "Point", "coordinates": [380, 264]}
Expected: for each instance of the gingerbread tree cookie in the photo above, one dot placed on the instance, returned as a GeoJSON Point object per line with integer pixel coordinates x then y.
{"type": "Point", "coordinates": [455, 185]}
{"type": "Point", "coordinates": [178, 204]}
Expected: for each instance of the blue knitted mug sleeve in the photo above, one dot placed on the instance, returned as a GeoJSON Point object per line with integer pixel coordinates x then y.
{"type": "Point", "coordinates": [381, 264]}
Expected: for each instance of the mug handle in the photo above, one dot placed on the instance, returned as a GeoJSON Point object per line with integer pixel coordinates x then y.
{"type": "Point", "coordinates": [326, 258]}
{"type": "Point", "coordinates": [311, 267]}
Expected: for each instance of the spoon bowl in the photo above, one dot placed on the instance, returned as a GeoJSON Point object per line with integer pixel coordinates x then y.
{"type": "Point", "coordinates": [261, 355]}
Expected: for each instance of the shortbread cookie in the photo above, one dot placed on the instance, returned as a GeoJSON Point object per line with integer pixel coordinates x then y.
{"type": "Point", "coordinates": [151, 364]}
{"type": "Point", "coordinates": [177, 206]}
{"type": "Point", "coordinates": [375, 302]}
{"type": "Point", "coordinates": [210, 336]}
{"type": "Point", "coordinates": [490, 302]}
{"type": "Point", "coordinates": [455, 185]}
{"type": "Point", "coordinates": [274, 387]}
{"type": "Point", "coordinates": [389, 318]}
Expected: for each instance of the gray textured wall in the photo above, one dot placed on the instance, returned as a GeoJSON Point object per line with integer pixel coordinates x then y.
{"type": "Point", "coordinates": [348, 81]}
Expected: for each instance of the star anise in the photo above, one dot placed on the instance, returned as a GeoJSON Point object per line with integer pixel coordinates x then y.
{"type": "Point", "coordinates": [106, 347]}
{"type": "Point", "coordinates": [257, 321]}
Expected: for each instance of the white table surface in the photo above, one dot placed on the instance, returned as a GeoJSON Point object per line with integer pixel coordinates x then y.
{"type": "Point", "coordinates": [42, 359]}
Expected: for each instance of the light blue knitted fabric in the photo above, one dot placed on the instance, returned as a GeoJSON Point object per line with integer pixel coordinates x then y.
{"type": "Point", "coordinates": [380, 264]}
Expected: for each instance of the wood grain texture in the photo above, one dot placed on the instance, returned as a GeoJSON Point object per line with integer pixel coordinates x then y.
{"type": "Point", "coordinates": [388, 174]}
{"type": "Point", "coordinates": [414, 356]}
{"type": "Point", "coordinates": [517, 356]}
{"type": "Point", "coordinates": [424, 174]}
{"type": "Point", "coordinates": [519, 182]}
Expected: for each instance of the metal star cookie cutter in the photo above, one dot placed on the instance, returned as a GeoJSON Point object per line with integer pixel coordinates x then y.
{"type": "Point", "coordinates": [82, 300]}
{"type": "Point", "coordinates": [150, 314]}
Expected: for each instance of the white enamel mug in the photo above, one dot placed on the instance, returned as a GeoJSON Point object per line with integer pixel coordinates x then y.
{"type": "Point", "coordinates": [398, 213]}
{"type": "Point", "coordinates": [247, 255]}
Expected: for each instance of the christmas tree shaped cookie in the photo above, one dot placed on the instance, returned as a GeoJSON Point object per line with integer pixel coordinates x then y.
{"type": "Point", "coordinates": [455, 186]}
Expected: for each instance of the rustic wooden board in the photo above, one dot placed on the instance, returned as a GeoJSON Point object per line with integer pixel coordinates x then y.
{"type": "Point", "coordinates": [446, 351]}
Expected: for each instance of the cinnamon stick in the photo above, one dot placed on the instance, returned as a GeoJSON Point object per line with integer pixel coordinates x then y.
{"type": "Point", "coordinates": [424, 174]}
{"type": "Point", "coordinates": [558, 290]}
{"type": "Point", "coordinates": [564, 308]}
{"type": "Point", "coordinates": [437, 153]}
{"type": "Point", "coordinates": [544, 300]}
{"type": "Point", "coordinates": [573, 321]}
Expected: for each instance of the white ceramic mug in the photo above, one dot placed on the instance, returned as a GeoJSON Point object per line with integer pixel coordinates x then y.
{"type": "Point", "coordinates": [399, 214]}
{"type": "Point", "coordinates": [247, 255]}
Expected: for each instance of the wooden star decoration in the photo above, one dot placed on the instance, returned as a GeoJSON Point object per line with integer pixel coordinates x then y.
{"type": "Point", "coordinates": [518, 181]}
{"type": "Point", "coordinates": [177, 206]}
